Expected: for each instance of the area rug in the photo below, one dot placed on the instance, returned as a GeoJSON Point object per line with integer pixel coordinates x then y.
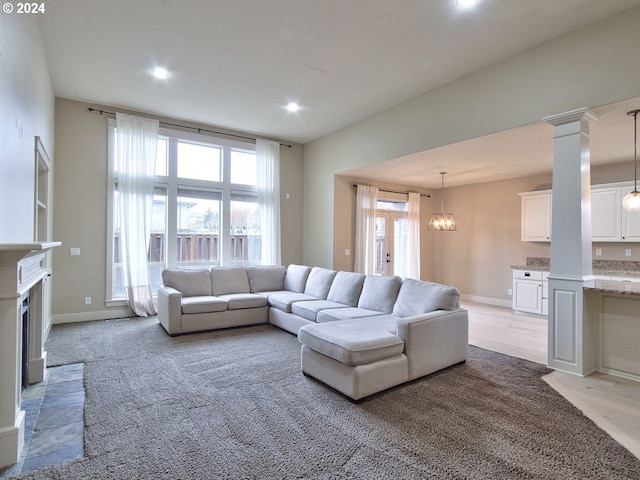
{"type": "Point", "coordinates": [234, 404]}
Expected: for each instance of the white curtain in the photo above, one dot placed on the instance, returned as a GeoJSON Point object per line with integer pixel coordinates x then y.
{"type": "Point", "coordinates": [137, 140]}
{"type": "Point", "coordinates": [268, 157]}
{"type": "Point", "coordinates": [366, 204]}
{"type": "Point", "coordinates": [412, 256]}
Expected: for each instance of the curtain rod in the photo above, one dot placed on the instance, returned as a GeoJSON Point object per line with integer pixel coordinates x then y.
{"type": "Point", "coordinates": [426, 195]}
{"type": "Point", "coordinates": [197, 129]}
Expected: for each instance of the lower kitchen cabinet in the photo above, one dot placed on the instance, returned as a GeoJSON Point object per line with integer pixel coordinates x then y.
{"type": "Point", "coordinates": [530, 291]}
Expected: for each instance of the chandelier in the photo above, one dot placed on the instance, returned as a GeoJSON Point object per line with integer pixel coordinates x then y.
{"type": "Point", "coordinates": [442, 221]}
{"type": "Point", "coordinates": [631, 201]}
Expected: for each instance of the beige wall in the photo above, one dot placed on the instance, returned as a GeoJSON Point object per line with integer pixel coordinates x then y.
{"type": "Point", "coordinates": [26, 111]}
{"type": "Point", "coordinates": [80, 195]}
{"type": "Point", "coordinates": [591, 67]}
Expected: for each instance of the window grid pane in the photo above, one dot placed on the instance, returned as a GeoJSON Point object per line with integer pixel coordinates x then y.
{"type": "Point", "coordinates": [245, 240]}
{"type": "Point", "coordinates": [198, 226]}
{"type": "Point", "coordinates": [199, 162]}
{"type": "Point", "coordinates": [244, 168]}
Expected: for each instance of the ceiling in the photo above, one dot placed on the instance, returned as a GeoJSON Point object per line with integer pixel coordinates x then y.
{"type": "Point", "coordinates": [236, 64]}
{"type": "Point", "coordinates": [519, 152]}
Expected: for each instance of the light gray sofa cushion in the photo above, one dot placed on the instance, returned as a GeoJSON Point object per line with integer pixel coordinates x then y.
{"type": "Point", "coordinates": [284, 300]}
{"type": "Point", "coordinates": [416, 297]}
{"type": "Point", "coordinates": [203, 304]}
{"type": "Point", "coordinates": [296, 278]}
{"type": "Point", "coordinates": [309, 309]}
{"type": "Point", "coordinates": [349, 343]}
{"type": "Point", "coordinates": [227, 280]}
{"type": "Point", "coordinates": [346, 288]}
{"type": "Point", "coordinates": [319, 282]}
{"type": "Point", "coordinates": [345, 313]}
{"type": "Point", "coordinates": [379, 293]}
{"type": "Point", "coordinates": [266, 279]}
{"type": "Point", "coordinates": [236, 301]}
{"type": "Point", "coordinates": [190, 283]}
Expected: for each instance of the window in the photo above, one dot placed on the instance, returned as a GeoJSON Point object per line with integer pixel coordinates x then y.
{"type": "Point", "coordinates": [205, 207]}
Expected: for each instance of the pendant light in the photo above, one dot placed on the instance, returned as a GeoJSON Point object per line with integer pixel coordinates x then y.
{"type": "Point", "coordinates": [631, 201]}
{"type": "Point", "coordinates": [442, 221]}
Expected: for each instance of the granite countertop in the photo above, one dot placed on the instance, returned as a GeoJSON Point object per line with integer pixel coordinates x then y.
{"type": "Point", "coordinates": [616, 286]}
{"type": "Point", "coordinates": [610, 268]}
{"type": "Point", "coordinates": [531, 268]}
{"type": "Point", "coordinates": [609, 273]}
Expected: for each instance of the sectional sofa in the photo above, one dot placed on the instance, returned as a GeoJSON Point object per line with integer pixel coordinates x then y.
{"type": "Point", "coordinates": [360, 334]}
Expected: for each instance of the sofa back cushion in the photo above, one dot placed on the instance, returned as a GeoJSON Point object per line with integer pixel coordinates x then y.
{"type": "Point", "coordinates": [319, 282]}
{"type": "Point", "coordinates": [379, 293]}
{"type": "Point", "coordinates": [191, 283]}
{"type": "Point", "coordinates": [418, 297]}
{"type": "Point", "coordinates": [266, 279]}
{"type": "Point", "coordinates": [346, 288]}
{"type": "Point", "coordinates": [296, 278]}
{"type": "Point", "coordinates": [226, 280]}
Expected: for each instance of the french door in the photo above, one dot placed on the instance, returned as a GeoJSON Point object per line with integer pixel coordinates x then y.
{"type": "Point", "coordinates": [392, 237]}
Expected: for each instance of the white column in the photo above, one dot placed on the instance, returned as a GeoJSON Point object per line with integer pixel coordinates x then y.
{"type": "Point", "coordinates": [572, 345]}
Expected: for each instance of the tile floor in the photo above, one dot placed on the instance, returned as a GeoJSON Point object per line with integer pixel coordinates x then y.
{"type": "Point", "coordinates": [54, 423]}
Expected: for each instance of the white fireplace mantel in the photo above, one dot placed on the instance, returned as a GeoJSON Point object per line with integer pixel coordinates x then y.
{"type": "Point", "coordinates": [24, 272]}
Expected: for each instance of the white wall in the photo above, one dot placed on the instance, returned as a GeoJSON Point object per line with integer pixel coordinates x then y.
{"type": "Point", "coordinates": [591, 67]}
{"type": "Point", "coordinates": [26, 110]}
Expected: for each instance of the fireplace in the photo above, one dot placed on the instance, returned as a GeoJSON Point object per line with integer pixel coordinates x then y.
{"type": "Point", "coordinates": [24, 320]}
{"type": "Point", "coordinates": [25, 343]}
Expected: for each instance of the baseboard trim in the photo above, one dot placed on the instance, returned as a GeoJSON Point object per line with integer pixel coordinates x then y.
{"type": "Point", "coordinates": [110, 314]}
{"type": "Point", "coordinates": [496, 302]}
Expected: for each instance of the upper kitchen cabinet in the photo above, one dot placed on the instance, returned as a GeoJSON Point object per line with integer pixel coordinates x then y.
{"type": "Point", "coordinates": [606, 214]}
{"type": "Point", "coordinates": [536, 216]}
{"type": "Point", "coordinates": [610, 222]}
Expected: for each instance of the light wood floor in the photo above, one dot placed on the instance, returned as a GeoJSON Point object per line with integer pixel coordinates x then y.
{"type": "Point", "coordinates": [612, 403]}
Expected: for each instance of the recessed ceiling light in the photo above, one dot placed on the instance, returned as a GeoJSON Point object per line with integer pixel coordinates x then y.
{"type": "Point", "coordinates": [292, 107]}
{"type": "Point", "coordinates": [466, 3]}
{"type": "Point", "coordinates": [160, 73]}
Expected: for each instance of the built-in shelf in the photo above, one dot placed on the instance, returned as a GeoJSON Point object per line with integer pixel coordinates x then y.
{"type": "Point", "coordinates": [42, 189]}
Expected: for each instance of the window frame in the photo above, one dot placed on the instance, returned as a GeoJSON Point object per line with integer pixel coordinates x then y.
{"type": "Point", "coordinates": [173, 183]}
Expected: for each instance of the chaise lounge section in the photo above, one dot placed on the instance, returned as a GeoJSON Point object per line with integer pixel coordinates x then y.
{"type": "Point", "coordinates": [360, 334]}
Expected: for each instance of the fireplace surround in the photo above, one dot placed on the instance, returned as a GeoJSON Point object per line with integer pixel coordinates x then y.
{"type": "Point", "coordinates": [24, 276]}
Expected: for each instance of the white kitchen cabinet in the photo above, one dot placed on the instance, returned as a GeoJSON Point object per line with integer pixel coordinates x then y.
{"type": "Point", "coordinates": [610, 222]}
{"type": "Point", "coordinates": [606, 214]}
{"type": "Point", "coordinates": [528, 293]}
{"type": "Point", "coordinates": [536, 216]}
{"type": "Point", "coordinates": [630, 225]}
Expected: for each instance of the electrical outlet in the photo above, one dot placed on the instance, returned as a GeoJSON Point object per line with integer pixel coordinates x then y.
{"type": "Point", "coordinates": [627, 252]}
{"type": "Point", "coordinates": [74, 252]}
{"type": "Point", "coordinates": [347, 252]}
{"type": "Point", "coordinates": [510, 291]}
{"type": "Point", "coordinates": [598, 252]}
{"type": "Point", "coordinates": [87, 300]}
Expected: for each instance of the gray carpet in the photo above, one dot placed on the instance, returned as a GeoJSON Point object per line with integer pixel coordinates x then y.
{"type": "Point", "coordinates": [234, 404]}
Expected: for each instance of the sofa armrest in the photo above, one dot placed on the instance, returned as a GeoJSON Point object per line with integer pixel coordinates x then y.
{"type": "Point", "coordinates": [169, 309]}
{"type": "Point", "coordinates": [434, 340]}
